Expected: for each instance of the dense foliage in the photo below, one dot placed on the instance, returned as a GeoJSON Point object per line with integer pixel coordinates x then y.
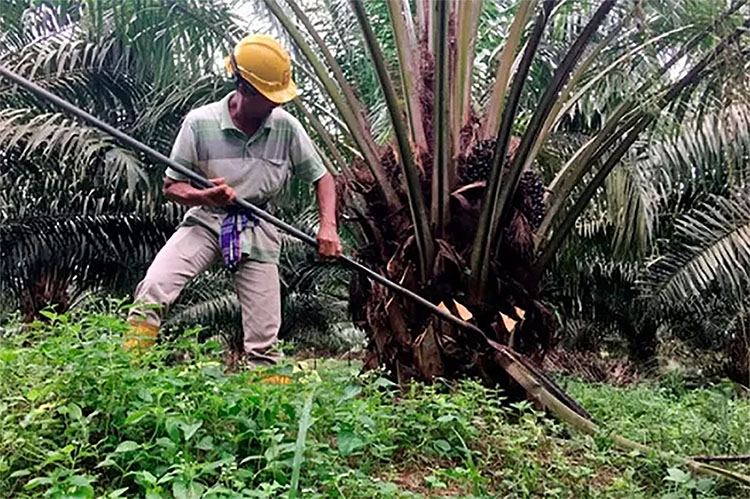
{"type": "Point", "coordinates": [80, 418]}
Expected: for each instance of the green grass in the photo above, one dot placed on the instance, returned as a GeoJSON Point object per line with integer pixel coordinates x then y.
{"type": "Point", "coordinates": [80, 418]}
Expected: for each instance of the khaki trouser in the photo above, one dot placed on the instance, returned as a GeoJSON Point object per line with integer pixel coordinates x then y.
{"type": "Point", "coordinates": [190, 251]}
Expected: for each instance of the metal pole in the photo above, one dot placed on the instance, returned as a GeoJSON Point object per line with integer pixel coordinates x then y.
{"type": "Point", "coordinates": [205, 183]}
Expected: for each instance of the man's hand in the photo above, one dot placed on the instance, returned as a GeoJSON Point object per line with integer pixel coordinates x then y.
{"type": "Point", "coordinates": [220, 195]}
{"type": "Point", "coordinates": [329, 245]}
{"type": "Point", "coordinates": [182, 192]}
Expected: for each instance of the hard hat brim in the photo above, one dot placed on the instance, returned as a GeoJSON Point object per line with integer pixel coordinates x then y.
{"type": "Point", "coordinates": [279, 96]}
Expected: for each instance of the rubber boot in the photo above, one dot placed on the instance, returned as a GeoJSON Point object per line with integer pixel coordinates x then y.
{"type": "Point", "coordinates": [140, 337]}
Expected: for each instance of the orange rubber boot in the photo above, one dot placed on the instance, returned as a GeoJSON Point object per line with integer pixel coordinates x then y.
{"type": "Point", "coordinates": [141, 336]}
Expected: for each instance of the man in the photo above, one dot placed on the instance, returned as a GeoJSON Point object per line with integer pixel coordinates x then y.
{"type": "Point", "coordinates": [248, 147]}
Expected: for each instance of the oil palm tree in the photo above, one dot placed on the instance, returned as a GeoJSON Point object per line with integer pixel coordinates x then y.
{"type": "Point", "coordinates": [665, 242]}
{"type": "Point", "coordinates": [667, 261]}
{"type": "Point", "coordinates": [461, 202]}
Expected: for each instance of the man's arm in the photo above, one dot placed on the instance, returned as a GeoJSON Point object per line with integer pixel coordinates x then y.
{"type": "Point", "coordinates": [182, 192]}
{"type": "Point", "coordinates": [177, 186]}
{"type": "Point", "coordinates": [308, 166]}
{"type": "Point", "coordinates": [329, 245]}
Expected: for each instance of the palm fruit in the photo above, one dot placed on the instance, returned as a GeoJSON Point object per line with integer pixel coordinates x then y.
{"type": "Point", "coordinates": [476, 166]}
{"type": "Point", "coordinates": [530, 197]}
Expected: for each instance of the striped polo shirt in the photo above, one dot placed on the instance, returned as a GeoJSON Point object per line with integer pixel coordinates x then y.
{"type": "Point", "coordinates": [257, 167]}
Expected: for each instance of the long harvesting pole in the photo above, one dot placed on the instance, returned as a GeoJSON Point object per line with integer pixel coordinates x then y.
{"type": "Point", "coordinates": [511, 358]}
{"type": "Point", "coordinates": [205, 183]}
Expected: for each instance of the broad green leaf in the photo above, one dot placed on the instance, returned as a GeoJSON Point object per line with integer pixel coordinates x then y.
{"type": "Point", "coordinates": [173, 427]}
{"type": "Point", "coordinates": [442, 446]}
{"type": "Point", "coordinates": [117, 493]}
{"type": "Point", "coordinates": [214, 372]}
{"type": "Point", "coordinates": [206, 443]}
{"type": "Point", "coordinates": [35, 482]}
{"type": "Point", "coordinates": [83, 489]}
{"type": "Point", "coordinates": [135, 417]}
{"type": "Point", "coordinates": [190, 429]}
{"type": "Point", "coordinates": [165, 442]}
{"type": "Point", "coordinates": [145, 395]}
{"type": "Point", "coordinates": [383, 382]}
{"type": "Point", "coordinates": [348, 443]}
{"type": "Point", "coordinates": [704, 484]}
{"type": "Point", "coordinates": [350, 392]}
{"type": "Point", "coordinates": [677, 475]}
{"type": "Point", "coordinates": [79, 481]}
{"type": "Point", "coordinates": [35, 393]}
{"type": "Point", "coordinates": [127, 446]}
{"type": "Point", "coordinates": [75, 411]}
{"type": "Point", "coordinates": [193, 490]}
{"type": "Point", "coordinates": [179, 490]}
{"type": "Point", "coordinates": [147, 477]}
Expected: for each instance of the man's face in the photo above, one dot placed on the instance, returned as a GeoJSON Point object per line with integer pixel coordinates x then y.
{"type": "Point", "coordinates": [252, 103]}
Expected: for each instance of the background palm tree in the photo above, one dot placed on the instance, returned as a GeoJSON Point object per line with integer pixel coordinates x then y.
{"type": "Point", "coordinates": [78, 213]}
{"type": "Point", "coordinates": [684, 282]}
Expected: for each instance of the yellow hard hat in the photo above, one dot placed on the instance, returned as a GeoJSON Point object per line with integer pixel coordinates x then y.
{"type": "Point", "coordinates": [264, 63]}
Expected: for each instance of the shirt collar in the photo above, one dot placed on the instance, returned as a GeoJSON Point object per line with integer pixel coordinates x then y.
{"type": "Point", "coordinates": [226, 119]}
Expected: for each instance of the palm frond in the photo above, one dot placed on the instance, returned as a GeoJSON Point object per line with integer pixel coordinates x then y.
{"type": "Point", "coordinates": [318, 322]}
{"type": "Point", "coordinates": [52, 258]}
{"type": "Point", "coordinates": [712, 250]}
{"type": "Point", "coordinates": [632, 208]}
{"type": "Point", "coordinates": [53, 133]}
{"type": "Point", "coordinates": [325, 137]}
{"type": "Point", "coordinates": [577, 166]}
{"type": "Point", "coordinates": [353, 123]}
{"type": "Point", "coordinates": [90, 75]}
{"type": "Point", "coordinates": [442, 177]}
{"type": "Point", "coordinates": [484, 240]}
{"type": "Point", "coordinates": [495, 107]}
{"type": "Point", "coordinates": [22, 23]}
{"type": "Point", "coordinates": [708, 154]}
{"type": "Point", "coordinates": [467, 15]}
{"type": "Point", "coordinates": [424, 240]}
{"type": "Point", "coordinates": [160, 33]}
{"type": "Point", "coordinates": [546, 105]}
{"type": "Point", "coordinates": [405, 41]}
{"type": "Point", "coordinates": [634, 128]}
{"type": "Point", "coordinates": [164, 108]}
{"type": "Point", "coordinates": [219, 312]}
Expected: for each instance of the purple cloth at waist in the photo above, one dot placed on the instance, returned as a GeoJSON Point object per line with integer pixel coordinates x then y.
{"type": "Point", "coordinates": [232, 226]}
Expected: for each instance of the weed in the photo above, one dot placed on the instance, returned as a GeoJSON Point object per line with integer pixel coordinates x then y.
{"type": "Point", "coordinates": [79, 417]}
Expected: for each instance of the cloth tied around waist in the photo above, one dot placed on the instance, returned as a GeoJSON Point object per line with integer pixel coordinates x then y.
{"type": "Point", "coordinates": [235, 221]}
